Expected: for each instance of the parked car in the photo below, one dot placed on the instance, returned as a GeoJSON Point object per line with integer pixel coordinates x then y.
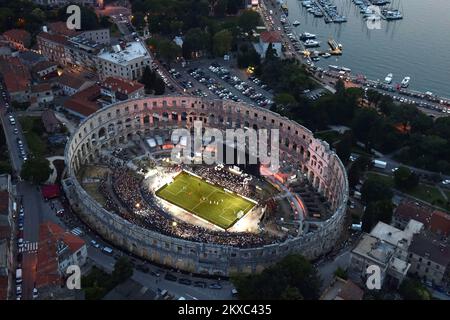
{"type": "Point", "coordinates": [215, 286]}
{"type": "Point", "coordinates": [200, 284]}
{"type": "Point", "coordinates": [185, 281]}
{"type": "Point", "coordinates": [170, 277]}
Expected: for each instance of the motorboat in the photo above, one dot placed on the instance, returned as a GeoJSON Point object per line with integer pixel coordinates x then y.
{"type": "Point", "coordinates": [405, 82]}
{"type": "Point", "coordinates": [388, 78]}
{"type": "Point", "coordinates": [311, 43]}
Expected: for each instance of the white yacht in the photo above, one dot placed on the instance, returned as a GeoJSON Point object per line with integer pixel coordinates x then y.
{"type": "Point", "coordinates": [388, 78]}
{"type": "Point", "coordinates": [405, 82]}
{"type": "Point", "coordinates": [311, 43]}
{"type": "Point", "coordinates": [296, 23]}
{"type": "Point", "coordinates": [307, 35]}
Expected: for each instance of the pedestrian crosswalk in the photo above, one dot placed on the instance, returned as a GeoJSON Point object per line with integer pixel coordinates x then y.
{"type": "Point", "coordinates": [29, 247]}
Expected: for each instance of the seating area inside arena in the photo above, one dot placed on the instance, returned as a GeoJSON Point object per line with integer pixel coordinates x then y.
{"type": "Point", "coordinates": [132, 181]}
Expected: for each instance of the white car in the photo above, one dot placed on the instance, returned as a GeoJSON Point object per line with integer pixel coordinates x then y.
{"type": "Point", "coordinates": [35, 293]}
{"type": "Point", "coordinates": [445, 182]}
{"type": "Point", "coordinates": [394, 169]}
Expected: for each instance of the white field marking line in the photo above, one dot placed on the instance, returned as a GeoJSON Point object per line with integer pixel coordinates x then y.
{"type": "Point", "coordinates": [179, 190]}
{"type": "Point", "coordinates": [200, 202]}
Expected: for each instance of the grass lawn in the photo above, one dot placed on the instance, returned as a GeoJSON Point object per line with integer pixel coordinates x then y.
{"type": "Point", "coordinates": [92, 190]}
{"type": "Point", "coordinates": [329, 136]}
{"type": "Point", "coordinates": [33, 129]}
{"type": "Point", "coordinates": [424, 192]}
{"type": "Point", "coordinates": [380, 177]}
{"type": "Point", "coordinates": [205, 200]}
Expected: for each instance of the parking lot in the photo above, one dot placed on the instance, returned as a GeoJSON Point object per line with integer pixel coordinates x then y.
{"type": "Point", "coordinates": [218, 81]}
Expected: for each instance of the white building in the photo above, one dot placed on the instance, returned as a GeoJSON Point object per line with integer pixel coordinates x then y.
{"type": "Point", "coordinates": [128, 62]}
{"type": "Point", "coordinates": [387, 248]}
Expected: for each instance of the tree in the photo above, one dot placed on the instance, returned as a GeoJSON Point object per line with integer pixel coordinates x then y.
{"type": "Point", "coordinates": [36, 170]}
{"type": "Point", "coordinates": [152, 82]}
{"type": "Point", "coordinates": [222, 42]}
{"type": "Point", "coordinates": [375, 190]}
{"type": "Point", "coordinates": [247, 56]}
{"type": "Point", "coordinates": [249, 20]}
{"type": "Point", "coordinates": [340, 87]}
{"type": "Point", "coordinates": [123, 270]}
{"type": "Point", "coordinates": [291, 293]}
{"type": "Point", "coordinates": [195, 43]}
{"type": "Point", "coordinates": [292, 278]}
{"type": "Point", "coordinates": [147, 79]}
{"type": "Point", "coordinates": [234, 6]}
{"type": "Point", "coordinates": [405, 179]}
{"type": "Point", "coordinates": [412, 289]}
{"type": "Point", "coordinates": [38, 15]}
{"type": "Point", "coordinates": [377, 211]}
{"type": "Point", "coordinates": [284, 99]}
{"type": "Point", "coordinates": [89, 19]}
{"type": "Point", "coordinates": [341, 273]}
{"type": "Point", "coordinates": [344, 146]}
{"type": "Point", "coordinates": [373, 96]}
{"type": "Point", "coordinates": [271, 53]}
{"type": "Point", "coordinates": [164, 48]}
{"type": "Point", "coordinates": [159, 86]}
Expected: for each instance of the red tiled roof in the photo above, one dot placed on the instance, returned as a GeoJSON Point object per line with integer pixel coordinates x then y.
{"type": "Point", "coordinates": [50, 121]}
{"type": "Point", "coordinates": [15, 74]}
{"type": "Point", "coordinates": [41, 87]}
{"type": "Point", "coordinates": [18, 35]}
{"type": "Point", "coordinates": [47, 265]}
{"type": "Point", "coordinates": [410, 210]}
{"type": "Point", "coordinates": [60, 27]}
{"type": "Point", "coordinates": [85, 101]}
{"type": "Point", "coordinates": [3, 287]}
{"type": "Point", "coordinates": [270, 36]}
{"type": "Point", "coordinates": [351, 291]}
{"type": "Point", "coordinates": [122, 85]}
{"type": "Point", "coordinates": [4, 202]}
{"type": "Point", "coordinates": [440, 223]}
{"type": "Point", "coordinates": [50, 191]}
{"type": "Point", "coordinates": [53, 37]}
{"type": "Point", "coordinates": [5, 231]}
{"type": "Point", "coordinates": [71, 81]}
{"type": "Point", "coordinates": [43, 65]}
{"type": "Point", "coordinates": [59, 233]}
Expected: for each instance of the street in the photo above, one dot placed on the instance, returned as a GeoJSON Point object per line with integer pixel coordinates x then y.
{"type": "Point", "coordinates": [154, 283]}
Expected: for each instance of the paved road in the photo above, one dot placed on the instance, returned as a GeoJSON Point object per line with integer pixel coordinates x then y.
{"type": "Point", "coordinates": [154, 283]}
{"type": "Point", "coordinates": [30, 198]}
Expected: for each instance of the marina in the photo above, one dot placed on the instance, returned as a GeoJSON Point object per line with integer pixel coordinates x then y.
{"type": "Point", "coordinates": [375, 10]}
{"type": "Point", "coordinates": [318, 64]}
{"type": "Point", "coordinates": [375, 53]}
{"type": "Point", "coordinates": [325, 9]}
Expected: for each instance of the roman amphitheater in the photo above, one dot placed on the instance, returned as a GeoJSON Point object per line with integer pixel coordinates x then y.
{"type": "Point", "coordinates": [118, 161]}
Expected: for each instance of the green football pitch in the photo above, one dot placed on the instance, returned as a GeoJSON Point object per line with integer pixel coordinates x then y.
{"type": "Point", "coordinates": [205, 200]}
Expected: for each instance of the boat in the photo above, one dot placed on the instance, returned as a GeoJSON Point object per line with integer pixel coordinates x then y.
{"type": "Point", "coordinates": [326, 55]}
{"type": "Point", "coordinates": [296, 23]}
{"type": "Point", "coordinates": [388, 78]}
{"type": "Point", "coordinates": [405, 82]}
{"type": "Point", "coordinates": [318, 14]}
{"type": "Point", "coordinates": [333, 67]}
{"type": "Point", "coordinates": [315, 58]}
{"type": "Point", "coordinates": [334, 45]}
{"type": "Point", "coordinates": [311, 43]}
{"type": "Point", "coordinates": [307, 36]}
{"type": "Point", "coordinates": [392, 14]}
